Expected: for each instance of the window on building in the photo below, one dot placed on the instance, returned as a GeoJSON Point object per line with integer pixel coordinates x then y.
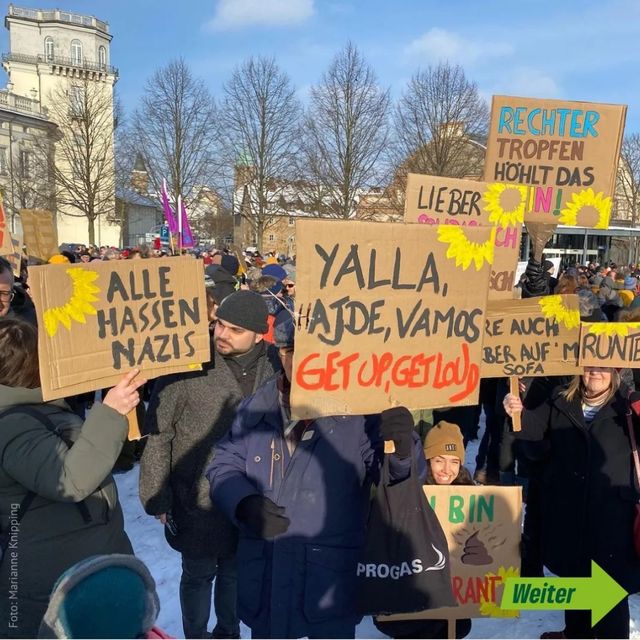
{"type": "Point", "coordinates": [102, 57]}
{"type": "Point", "coordinates": [76, 52]}
{"type": "Point", "coordinates": [3, 161]}
{"type": "Point", "coordinates": [25, 163]}
{"type": "Point", "coordinates": [76, 101]}
{"type": "Point", "coordinates": [48, 48]}
{"type": "Point", "coordinates": [271, 237]}
{"type": "Point", "coordinates": [292, 221]}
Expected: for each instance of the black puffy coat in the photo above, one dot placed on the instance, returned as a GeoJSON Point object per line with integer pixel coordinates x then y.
{"type": "Point", "coordinates": [588, 490]}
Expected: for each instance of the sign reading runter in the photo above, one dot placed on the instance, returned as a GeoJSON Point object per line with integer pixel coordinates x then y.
{"type": "Point", "coordinates": [393, 314]}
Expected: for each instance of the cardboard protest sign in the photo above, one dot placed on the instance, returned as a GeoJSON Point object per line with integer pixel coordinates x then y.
{"type": "Point", "coordinates": [40, 233]}
{"type": "Point", "coordinates": [610, 344]}
{"type": "Point", "coordinates": [468, 203]}
{"type": "Point", "coordinates": [482, 525]}
{"type": "Point", "coordinates": [15, 258]}
{"type": "Point", "coordinates": [98, 321]}
{"type": "Point", "coordinates": [531, 337]}
{"type": "Point", "coordinates": [6, 247]}
{"type": "Point", "coordinates": [561, 155]}
{"type": "Point", "coordinates": [394, 315]}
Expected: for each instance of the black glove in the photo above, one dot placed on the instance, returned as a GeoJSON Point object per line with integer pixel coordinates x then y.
{"type": "Point", "coordinates": [262, 516]}
{"type": "Point", "coordinates": [537, 283]}
{"type": "Point", "coordinates": [397, 425]}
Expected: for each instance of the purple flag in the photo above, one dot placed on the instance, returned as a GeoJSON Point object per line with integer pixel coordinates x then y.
{"type": "Point", "coordinates": [187, 235]}
{"type": "Point", "coordinates": [172, 223]}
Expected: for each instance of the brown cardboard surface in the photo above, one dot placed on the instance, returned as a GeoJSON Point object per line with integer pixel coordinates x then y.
{"type": "Point", "coordinates": [531, 337]}
{"type": "Point", "coordinates": [6, 247]}
{"type": "Point", "coordinates": [516, 416]}
{"type": "Point", "coordinates": [610, 344]}
{"type": "Point", "coordinates": [482, 525]}
{"type": "Point", "coordinates": [134, 427]}
{"type": "Point", "coordinates": [566, 169]}
{"type": "Point", "coordinates": [18, 254]}
{"type": "Point", "coordinates": [467, 203]}
{"type": "Point", "coordinates": [396, 314]}
{"type": "Point", "coordinates": [40, 233]}
{"type": "Point", "coordinates": [98, 321]}
{"type": "Point", "coordinates": [15, 257]}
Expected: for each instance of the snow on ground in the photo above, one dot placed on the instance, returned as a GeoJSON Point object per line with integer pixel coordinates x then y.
{"type": "Point", "coordinates": [147, 537]}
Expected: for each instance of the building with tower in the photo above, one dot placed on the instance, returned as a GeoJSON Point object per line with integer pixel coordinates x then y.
{"type": "Point", "coordinates": [61, 61]}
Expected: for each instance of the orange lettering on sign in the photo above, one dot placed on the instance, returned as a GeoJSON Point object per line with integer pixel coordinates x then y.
{"type": "Point", "coordinates": [336, 371]}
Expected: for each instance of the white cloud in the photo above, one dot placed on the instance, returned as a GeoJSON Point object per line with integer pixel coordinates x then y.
{"type": "Point", "coordinates": [237, 14]}
{"type": "Point", "coordinates": [440, 44]}
{"type": "Point", "coordinates": [528, 82]}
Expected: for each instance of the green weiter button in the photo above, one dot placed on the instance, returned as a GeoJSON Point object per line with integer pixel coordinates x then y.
{"type": "Point", "coordinates": [599, 593]}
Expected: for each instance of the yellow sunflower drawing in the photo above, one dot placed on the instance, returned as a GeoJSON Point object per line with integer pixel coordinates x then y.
{"type": "Point", "coordinates": [79, 304]}
{"type": "Point", "coordinates": [581, 202]}
{"type": "Point", "coordinates": [506, 203]}
{"type": "Point", "coordinates": [553, 307]}
{"type": "Point", "coordinates": [612, 328]}
{"type": "Point", "coordinates": [492, 609]}
{"type": "Point", "coordinates": [463, 250]}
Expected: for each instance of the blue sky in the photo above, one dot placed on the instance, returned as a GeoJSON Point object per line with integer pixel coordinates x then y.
{"type": "Point", "coordinates": [583, 50]}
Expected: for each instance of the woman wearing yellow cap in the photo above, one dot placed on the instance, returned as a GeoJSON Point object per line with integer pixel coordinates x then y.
{"type": "Point", "coordinates": [444, 451]}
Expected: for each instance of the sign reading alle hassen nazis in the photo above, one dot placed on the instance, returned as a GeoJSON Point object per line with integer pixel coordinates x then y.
{"type": "Point", "coordinates": [394, 316]}
{"type": "Point", "coordinates": [98, 321]}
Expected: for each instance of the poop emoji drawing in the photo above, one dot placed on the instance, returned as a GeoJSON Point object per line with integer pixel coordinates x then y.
{"type": "Point", "coordinates": [475, 552]}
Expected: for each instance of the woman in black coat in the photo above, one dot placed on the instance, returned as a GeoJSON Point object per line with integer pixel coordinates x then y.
{"type": "Point", "coordinates": [588, 491]}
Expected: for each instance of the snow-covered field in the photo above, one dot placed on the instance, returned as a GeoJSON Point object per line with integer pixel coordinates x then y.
{"type": "Point", "coordinates": [148, 540]}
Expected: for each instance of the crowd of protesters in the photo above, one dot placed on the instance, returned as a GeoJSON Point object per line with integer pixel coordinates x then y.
{"type": "Point", "coordinates": [268, 512]}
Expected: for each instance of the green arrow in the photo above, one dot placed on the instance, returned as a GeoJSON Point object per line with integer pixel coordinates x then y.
{"type": "Point", "coordinates": [600, 593]}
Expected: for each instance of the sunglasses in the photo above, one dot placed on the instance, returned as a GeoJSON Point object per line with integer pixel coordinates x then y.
{"type": "Point", "coordinates": [289, 286]}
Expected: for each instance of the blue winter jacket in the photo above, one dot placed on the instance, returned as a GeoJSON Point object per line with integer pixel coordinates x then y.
{"type": "Point", "coordinates": [306, 576]}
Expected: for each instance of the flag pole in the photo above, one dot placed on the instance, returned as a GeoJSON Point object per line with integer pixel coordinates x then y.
{"type": "Point", "coordinates": [179, 214]}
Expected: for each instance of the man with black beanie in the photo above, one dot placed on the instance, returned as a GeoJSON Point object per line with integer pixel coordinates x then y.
{"type": "Point", "coordinates": [188, 414]}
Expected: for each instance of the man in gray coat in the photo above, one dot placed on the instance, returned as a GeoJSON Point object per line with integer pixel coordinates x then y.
{"type": "Point", "coordinates": [187, 415]}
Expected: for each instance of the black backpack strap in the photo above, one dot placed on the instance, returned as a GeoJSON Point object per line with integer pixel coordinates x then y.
{"type": "Point", "coordinates": [48, 423]}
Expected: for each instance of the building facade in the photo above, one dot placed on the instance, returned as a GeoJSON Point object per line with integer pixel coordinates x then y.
{"type": "Point", "coordinates": [25, 130]}
{"type": "Point", "coordinates": [58, 55]}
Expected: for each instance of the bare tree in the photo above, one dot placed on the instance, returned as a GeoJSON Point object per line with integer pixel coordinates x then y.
{"type": "Point", "coordinates": [260, 124]}
{"type": "Point", "coordinates": [440, 124]}
{"type": "Point", "coordinates": [29, 183]}
{"type": "Point", "coordinates": [176, 130]}
{"type": "Point", "coordinates": [83, 164]}
{"type": "Point", "coordinates": [346, 132]}
{"type": "Point", "coordinates": [211, 219]}
{"type": "Point", "coordinates": [627, 199]}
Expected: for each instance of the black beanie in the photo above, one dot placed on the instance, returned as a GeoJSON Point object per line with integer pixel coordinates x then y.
{"type": "Point", "coordinates": [245, 309]}
{"type": "Point", "coordinates": [230, 263]}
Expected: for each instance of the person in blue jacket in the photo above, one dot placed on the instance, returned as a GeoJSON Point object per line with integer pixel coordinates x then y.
{"type": "Point", "coordinates": [299, 492]}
